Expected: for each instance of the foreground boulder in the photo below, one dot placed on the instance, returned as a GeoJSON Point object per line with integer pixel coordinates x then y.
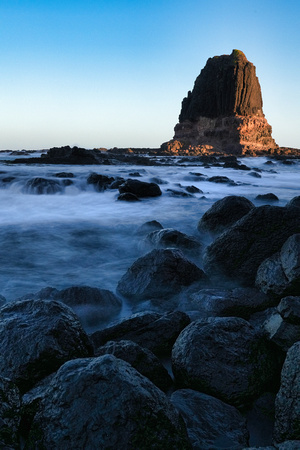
{"type": "Point", "coordinates": [117, 408]}
{"type": "Point", "coordinates": [36, 338]}
{"type": "Point", "coordinates": [154, 331]}
{"type": "Point", "coordinates": [142, 359]}
{"type": "Point", "coordinates": [287, 405]}
{"type": "Point", "coordinates": [159, 274]}
{"type": "Point", "coordinates": [211, 423]}
{"type": "Point", "coordinates": [9, 414]}
{"type": "Point", "coordinates": [223, 357]}
{"type": "Point", "coordinates": [239, 251]}
{"type": "Point", "coordinates": [224, 213]}
{"type": "Point", "coordinates": [140, 188]}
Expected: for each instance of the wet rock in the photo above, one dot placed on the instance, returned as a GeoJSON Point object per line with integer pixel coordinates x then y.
{"type": "Point", "coordinates": [223, 357]}
{"type": "Point", "coordinates": [142, 359]}
{"type": "Point", "coordinates": [290, 259]}
{"type": "Point", "coordinates": [237, 302]}
{"type": "Point", "coordinates": [193, 190]}
{"type": "Point", "coordinates": [177, 193]}
{"type": "Point", "coordinates": [42, 186]}
{"type": "Point", "coordinates": [100, 182]}
{"type": "Point", "coordinates": [254, 174]}
{"type": "Point", "coordinates": [158, 180]}
{"type": "Point", "coordinates": [159, 274]}
{"type": "Point", "coordinates": [239, 251]}
{"type": "Point", "coordinates": [222, 180]}
{"type": "Point", "coordinates": [8, 179]}
{"type": "Point", "coordinates": [2, 300]}
{"type": "Point", "coordinates": [154, 331]}
{"type": "Point", "coordinates": [168, 237]}
{"type": "Point", "coordinates": [140, 188]}
{"type": "Point", "coordinates": [64, 175]}
{"type": "Point", "coordinates": [289, 309]}
{"type": "Point", "coordinates": [294, 203]}
{"type": "Point", "coordinates": [260, 419]}
{"type": "Point", "coordinates": [267, 197]}
{"type": "Point", "coordinates": [128, 197]}
{"type": "Point", "coordinates": [287, 405]}
{"type": "Point", "coordinates": [116, 183]}
{"type": "Point", "coordinates": [117, 408]}
{"type": "Point", "coordinates": [147, 227]}
{"type": "Point", "coordinates": [36, 338]}
{"type": "Point", "coordinates": [210, 423]}
{"type": "Point", "coordinates": [9, 414]}
{"type": "Point", "coordinates": [224, 213]}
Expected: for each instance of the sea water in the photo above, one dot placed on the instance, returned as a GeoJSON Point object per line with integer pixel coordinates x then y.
{"type": "Point", "coordinates": [83, 237]}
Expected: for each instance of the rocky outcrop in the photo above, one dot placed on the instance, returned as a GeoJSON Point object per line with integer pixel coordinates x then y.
{"type": "Point", "coordinates": [223, 113]}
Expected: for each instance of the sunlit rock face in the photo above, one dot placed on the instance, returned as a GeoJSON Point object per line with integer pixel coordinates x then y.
{"type": "Point", "coordinates": [223, 113]}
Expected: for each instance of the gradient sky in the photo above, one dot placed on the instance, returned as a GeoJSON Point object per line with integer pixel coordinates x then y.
{"type": "Point", "coordinates": [111, 73]}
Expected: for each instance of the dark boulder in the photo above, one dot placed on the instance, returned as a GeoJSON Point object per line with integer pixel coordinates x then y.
{"type": "Point", "coordinates": [239, 251]}
{"type": "Point", "coordinates": [154, 331]}
{"type": "Point", "coordinates": [168, 237]}
{"type": "Point", "coordinates": [104, 403]}
{"type": "Point", "coordinates": [147, 227]}
{"type": "Point", "coordinates": [220, 179]}
{"type": "Point", "coordinates": [128, 197]}
{"type": "Point", "coordinates": [267, 197]}
{"type": "Point", "coordinates": [224, 213]}
{"type": "Point", "coordinates": [159, 274]}
{"type": "Point", "coordinates": [9, 414]}
{"type": "Point", "coordinates": [142, 359]}
{"type": "Point", "coordinates": [193, 190]}
{"type": "Point", "coordinates": [64, 175]}
{"type": "Point", "coordinates": [140, 188]}
{"type": "Point", "coordinates": [223, 357]}
{"type": "Point", "coordinates": [287, 404]}
{"type": "Point", "coordinates": [2, 300]}
{"type": "Point", "coordinates": [210, 423]}
{"type": "Point", "coordinates": [100, 182]}
{"type": "Point", "coordinates": [294, 203]}
{"type": "Point", "coordinates": [177, 193]}
{"type": "Point", "coordinates": [42, 186]}
{"type": "Point", "coordinates": [36, 338]}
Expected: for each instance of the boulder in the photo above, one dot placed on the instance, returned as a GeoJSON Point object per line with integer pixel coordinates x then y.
{"type": "Point", "coordinates": [64, 175]}
{"type": "Point", "coordinates": [239, 251]}
{"type": "Point", "coordinates": [270, 197]}
{"type": "Point", "coordinates": [154, 331]}
{"type": "Point", "coordinates": [147, 227]}
{"type": "Point", "coordinates": [169, 237]}
{"type": "Point", "coordinates": [224, 213]}
{"type": "Point", "coordinates": [40, 185]}
{"type": "Point", "coordinates": [104, 403]}
{"type": "Point", "coordinates": [221, 180]}
{"type": "Point", "coordinates": [100, 182]}
{"type": "Point", "coordinates": [142, 359]}
{"type": "Point", "coordinates": [159, 274]}
{"type": "Point", "coordinates": [128, 197]}
{"type": "Point", "coordinates": [9, 414]}
{"type": "Point", "coordinates": [177, 193]}
{"type": "Point", "coordinates": [36, 338]}
{"type": "Point", "coordinates": [210, 423]}
{"type": "Point", "coordinates": [140, 188]}
{"type": "Point", "coordinates": [287, 404]}
{"type": "Point", "coordinates": [294, 203]}
{"type": "Point", "coordinates": [223, 357]}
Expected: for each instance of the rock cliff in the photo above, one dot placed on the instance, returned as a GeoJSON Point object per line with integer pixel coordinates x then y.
{"type": "Point", "coordinates": [223, 113]}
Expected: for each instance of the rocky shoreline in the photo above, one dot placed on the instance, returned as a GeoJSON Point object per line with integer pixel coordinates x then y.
{"type": "Point", "coordinates": [234, 352]}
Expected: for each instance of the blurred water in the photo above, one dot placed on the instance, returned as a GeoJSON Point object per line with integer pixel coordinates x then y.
{"type": "Point", "coordinates": [82, 237]}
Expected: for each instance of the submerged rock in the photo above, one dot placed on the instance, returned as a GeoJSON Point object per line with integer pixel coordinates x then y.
{"type": "Point", "coordinates": [104, 403]}
{"type": "Point", "coordinates": [159, 274]}
{"type": "Point", "coordinates": [36, 338]}
{"type": "Point", "coordinates": [42, 186]}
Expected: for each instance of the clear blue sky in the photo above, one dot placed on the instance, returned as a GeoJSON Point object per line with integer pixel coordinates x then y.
{"type": "Point", "coordinates": [97, 73]}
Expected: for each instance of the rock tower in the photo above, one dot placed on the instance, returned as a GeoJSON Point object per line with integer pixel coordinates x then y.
{"type": "Point", "coordinates": [223, 113]}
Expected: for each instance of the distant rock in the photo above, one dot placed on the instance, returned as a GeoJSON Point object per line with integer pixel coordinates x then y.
{"type": "Point", "coordinates": [223, 113]}
{"type": "Point", "coordinates": [270, 197]}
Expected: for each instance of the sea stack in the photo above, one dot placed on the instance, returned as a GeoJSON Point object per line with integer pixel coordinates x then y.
{"type": "Point", "coordinates": [224, 112]}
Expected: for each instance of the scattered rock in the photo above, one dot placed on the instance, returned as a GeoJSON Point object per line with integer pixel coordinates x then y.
{"type": "Point", "coordinates": [103, 402]}
{"type": "Point", "coordinates": [100, 182]}
{"type": "Point", "coordinates": [42, 186]}
{"type": "Point", "coordinates": [224, 213]}
{"type": "Point", "coordinates": [177, 193]}
{"type": "Point", "coordinates": [287, 405]}
{"type": "Point", "coordinates": [147, 227]}
{"type": "Point", "coordinates": [223, 357]}
{"type": "Point", "coordinates": [168, 237]}
{"type": "Point", "coordinates": [193, 190]}
{"type": "Point", "coordinates": [159, 274]}
{"type": "Point", "coordinates": [140, 188]}
{"type": "Point", "coordinates": [254, 174]}
{"type": "Point", "coordinates": [128, 197]}
{"type": "Point", "coordinates": [210, 423]}
{"type": "Point", "coordinates": [267, 197]}
{"type": "Point", "coordinates": [154, 331]}
{"type": "Point", "coordinates": [64, 175]}
{"type": "Point", "coordinates": [219, 179]}
{"type": "Point", "coordinates": [142, 359]}
{"type": "Point", "coordinates": [36, 338]}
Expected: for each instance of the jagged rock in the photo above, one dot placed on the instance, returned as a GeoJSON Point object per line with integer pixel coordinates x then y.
{"type": "Point", "coordinates": [239, 251]}
{"type": "Point", "coordinates": [140, 188]}
{"type": "Point", "coordinates": [142, 359]}
{"type": "Point", "coordinates": [223, 113]}
{"type": "Point", "coordinates": [224, 213]}
{"type": "Point", "coordinates": [287, 405]}
{"type": "Point", "coordinates": [100, 182]}
{"type": "Point", "coordinates": [224, 357]}
{"type": "Point", "coordinates": [168, 237]}
{"type": "Point", "coordinates": [105, 403]}
{"type": "Point", "coordinates": [210, 422]}
{"type": "Point", "coordinates": [154, 331]}
{"type": "Point", "coordinates": [9, 414]}
{"type": "Point", "coordinates": [159, 274]}
{"type": "Point", "coordinates": [36, 338]}
{"type": "Point", "coordinates": [42, 186]}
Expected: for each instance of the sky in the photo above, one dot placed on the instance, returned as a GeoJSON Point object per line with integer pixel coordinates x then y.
{"type": "Point", "coordinates": [113, 73]}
